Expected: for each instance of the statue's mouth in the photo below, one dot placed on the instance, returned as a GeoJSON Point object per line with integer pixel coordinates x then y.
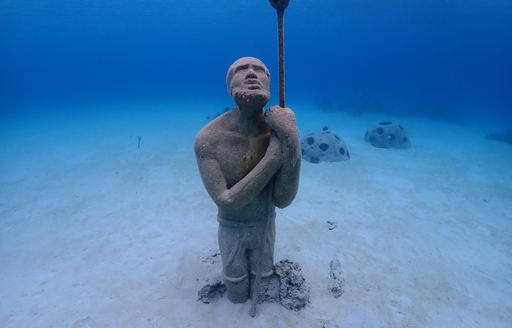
{"type": "Point", "coordinates": [252, 81]}
{"type": "Point", "coordinates": [253, 84]}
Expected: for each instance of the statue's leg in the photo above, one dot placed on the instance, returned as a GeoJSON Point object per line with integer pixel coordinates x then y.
{"type": "Point", "coordinates": [267, 259]}
{"type": "Point", "coordinates": [234, 263]}
{"type": "Point", "coordinates": [237, 290]}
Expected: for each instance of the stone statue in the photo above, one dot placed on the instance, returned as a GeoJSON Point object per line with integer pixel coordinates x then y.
{"type": "Point", "coordinates": [249, 161]}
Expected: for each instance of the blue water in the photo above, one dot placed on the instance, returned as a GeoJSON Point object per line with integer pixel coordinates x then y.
{"type": "Point", "coordinates": [104, 220]}
{"type": "Point", "coordinates": [439, 58]}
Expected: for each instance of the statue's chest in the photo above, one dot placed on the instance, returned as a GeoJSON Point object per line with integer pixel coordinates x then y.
{"type": "Point", "coordinates": [241, 156]}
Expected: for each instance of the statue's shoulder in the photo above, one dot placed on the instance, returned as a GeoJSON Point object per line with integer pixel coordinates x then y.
{"type": "Point", "coordinates": [215, 132]}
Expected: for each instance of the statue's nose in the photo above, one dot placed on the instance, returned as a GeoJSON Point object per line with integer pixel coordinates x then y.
{"type": "Point", "coordinates": [251, 74]}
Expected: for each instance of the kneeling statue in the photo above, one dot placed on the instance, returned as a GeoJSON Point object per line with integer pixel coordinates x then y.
{"type": "Point", "coordinates": [249, 161]}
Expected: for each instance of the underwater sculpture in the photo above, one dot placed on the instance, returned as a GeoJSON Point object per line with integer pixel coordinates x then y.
{"type": "Point", "coordinates": [249, 162]}
{"type": "Point", "coordinates": [323, 146]}
{"type": "Point", "coordinates": [387, 135]}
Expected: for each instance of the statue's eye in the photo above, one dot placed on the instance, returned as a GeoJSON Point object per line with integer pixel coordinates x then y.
{"type": "Point", "coordinates": [241, 68]}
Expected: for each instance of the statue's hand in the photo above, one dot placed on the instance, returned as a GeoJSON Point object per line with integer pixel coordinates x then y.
{"type": "Point", "coordinates": [281, 120]}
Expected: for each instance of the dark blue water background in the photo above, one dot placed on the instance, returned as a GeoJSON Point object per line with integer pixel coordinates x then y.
{"type": "Point", "coordinates": [439, 58]}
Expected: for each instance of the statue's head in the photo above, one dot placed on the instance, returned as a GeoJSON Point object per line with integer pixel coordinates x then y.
{"type": "Point", "coordinates": [248, 81]}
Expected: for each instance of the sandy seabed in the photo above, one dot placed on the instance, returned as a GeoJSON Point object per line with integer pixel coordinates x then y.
{"type": "Point", "coordinates": [95, 232]}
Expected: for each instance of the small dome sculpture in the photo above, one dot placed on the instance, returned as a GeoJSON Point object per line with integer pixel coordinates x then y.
{"type": "Point", "coordinates": [323, 146]}
{"type": "Point", "coordinates": [387, 135]}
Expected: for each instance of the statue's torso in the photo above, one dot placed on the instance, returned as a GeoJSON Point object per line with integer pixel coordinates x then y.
{"type": "Point", "coordinates": [237, 155]}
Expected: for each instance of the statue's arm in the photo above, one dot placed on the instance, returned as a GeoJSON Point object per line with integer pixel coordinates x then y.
{"type": "Point", "coordinates": [286, 181]}
{"type": "Point", "coordinates": [245, 190]}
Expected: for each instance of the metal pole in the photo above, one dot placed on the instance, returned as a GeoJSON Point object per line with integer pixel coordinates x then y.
{"type": "Point", "coordinates": [280, 33]}
{"type": "Point", "coordinates": [280, 6]}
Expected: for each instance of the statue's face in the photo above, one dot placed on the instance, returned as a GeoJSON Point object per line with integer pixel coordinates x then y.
{"type": "Point", "coordinates": [249, 81]}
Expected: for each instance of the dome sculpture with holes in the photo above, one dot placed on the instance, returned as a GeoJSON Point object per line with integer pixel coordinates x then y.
{"type": "Point", "coordinates": [323, 146]}
{"type": "Point", "coordinates": [387, 135]}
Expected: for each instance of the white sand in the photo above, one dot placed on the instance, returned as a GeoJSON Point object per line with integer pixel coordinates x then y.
{"type": "Point", "coordinates": [97, 233]}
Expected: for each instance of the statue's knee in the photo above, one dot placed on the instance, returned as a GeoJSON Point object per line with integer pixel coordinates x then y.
{"type": "Point", "coordinates": [238, 292]}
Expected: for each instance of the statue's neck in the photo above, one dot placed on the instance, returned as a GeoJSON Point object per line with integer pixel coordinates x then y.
{"type": "Point", "coordinates": [251, 119]}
